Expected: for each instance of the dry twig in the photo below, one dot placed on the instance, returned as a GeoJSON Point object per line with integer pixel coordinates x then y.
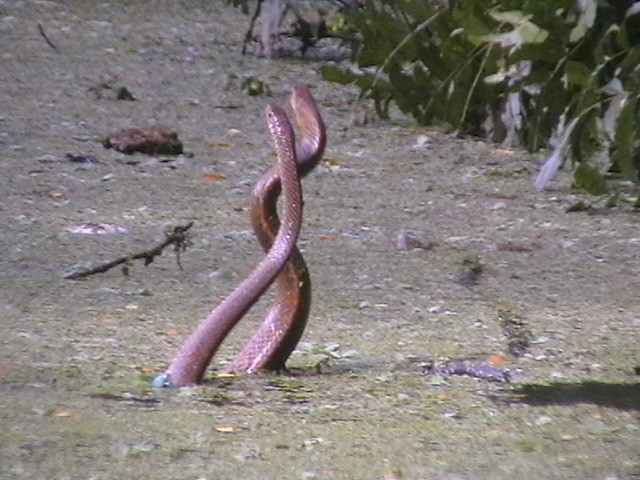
{"type": "Point", "coordinates": [46, 39]}
{"type": "Point", "coordinates": [178, 237]}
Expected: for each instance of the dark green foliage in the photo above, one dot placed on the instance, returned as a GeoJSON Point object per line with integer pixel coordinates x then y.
{"type": "Point", "coordinates": [561, 74]}
{"type": "Point", "coordinates": [588, 178]}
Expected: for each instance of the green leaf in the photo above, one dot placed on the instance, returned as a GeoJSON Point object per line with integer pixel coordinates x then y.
{"type": "Point", "coordinates": [586, 20]}
{"type": "Point", "coordinates": [331, 73]}
{"type": "Point", "coordinates": [624, 139]}
{"type": "Point", "coordinates": [523, 30]}
{"type": "Point", "coordinates": [578, 73]}
{"type": "Point", "coordinates": [589, 179]}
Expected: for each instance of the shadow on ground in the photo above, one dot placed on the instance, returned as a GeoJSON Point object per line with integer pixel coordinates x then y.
{"type": "Point", "coordinates": [623, 396]}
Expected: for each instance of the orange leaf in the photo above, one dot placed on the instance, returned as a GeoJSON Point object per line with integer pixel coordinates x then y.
{"type": "Point", "coordinates": [212, 176]}
{"type": "Point", "coordinates": [221, 144]}
{"type": "Point", "coordinates": [493, 358]}
{"type": "Point", "coordinates": [503, 150]}
{"type": "Point", "coordinates": [328, 237]}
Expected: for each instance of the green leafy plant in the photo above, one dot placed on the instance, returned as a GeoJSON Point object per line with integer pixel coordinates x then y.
{"type": "Point", "coordinates": [562, 74]}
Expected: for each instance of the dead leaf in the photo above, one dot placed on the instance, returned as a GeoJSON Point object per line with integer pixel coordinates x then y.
{"type": "Point", "coordinates": [495, 359]}
{"type": "Point", "coordinates": [212, 176]}
{"type": "Point", "coordinates": [225, 429]}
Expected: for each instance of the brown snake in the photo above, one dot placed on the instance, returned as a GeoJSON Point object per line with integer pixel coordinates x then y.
{"type": "Point", "coordinates": [275, 339]}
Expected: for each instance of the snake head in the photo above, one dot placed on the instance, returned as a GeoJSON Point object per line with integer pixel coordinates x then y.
{"type": "Point", "coordinates": [278, 122]}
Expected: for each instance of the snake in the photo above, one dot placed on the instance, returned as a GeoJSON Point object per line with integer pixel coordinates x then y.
{"type": "Point", "coordinates": [276, 338]}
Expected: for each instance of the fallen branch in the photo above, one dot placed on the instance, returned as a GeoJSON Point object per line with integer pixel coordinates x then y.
{"type": "Point", "coordinates": [178, 237]}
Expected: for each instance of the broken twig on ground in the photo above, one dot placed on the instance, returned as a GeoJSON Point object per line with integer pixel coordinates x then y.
{"type": "Point", "coordinates": [178, 237]}
{"type": "Point", "coordinates": [46, 39]}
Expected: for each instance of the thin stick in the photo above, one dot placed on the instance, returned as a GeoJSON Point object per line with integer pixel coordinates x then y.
{"type": "Point", "coordinates": [248, 36]}
{"type": "Point", "coordinates": [179, 238]}
{"type": "Point", "coordinates": [46, 39]}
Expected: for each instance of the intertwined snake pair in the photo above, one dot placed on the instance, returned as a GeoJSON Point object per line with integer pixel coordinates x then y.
{"type": "Point", "coordinates": [270, 346]}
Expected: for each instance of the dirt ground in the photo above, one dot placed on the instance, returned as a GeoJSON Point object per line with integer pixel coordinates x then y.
{"type": "Point", "coordinates": [77, 356]}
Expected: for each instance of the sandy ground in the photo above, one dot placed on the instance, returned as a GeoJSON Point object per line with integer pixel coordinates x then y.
{"type": "Point", "coordinates": [77, 356]}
